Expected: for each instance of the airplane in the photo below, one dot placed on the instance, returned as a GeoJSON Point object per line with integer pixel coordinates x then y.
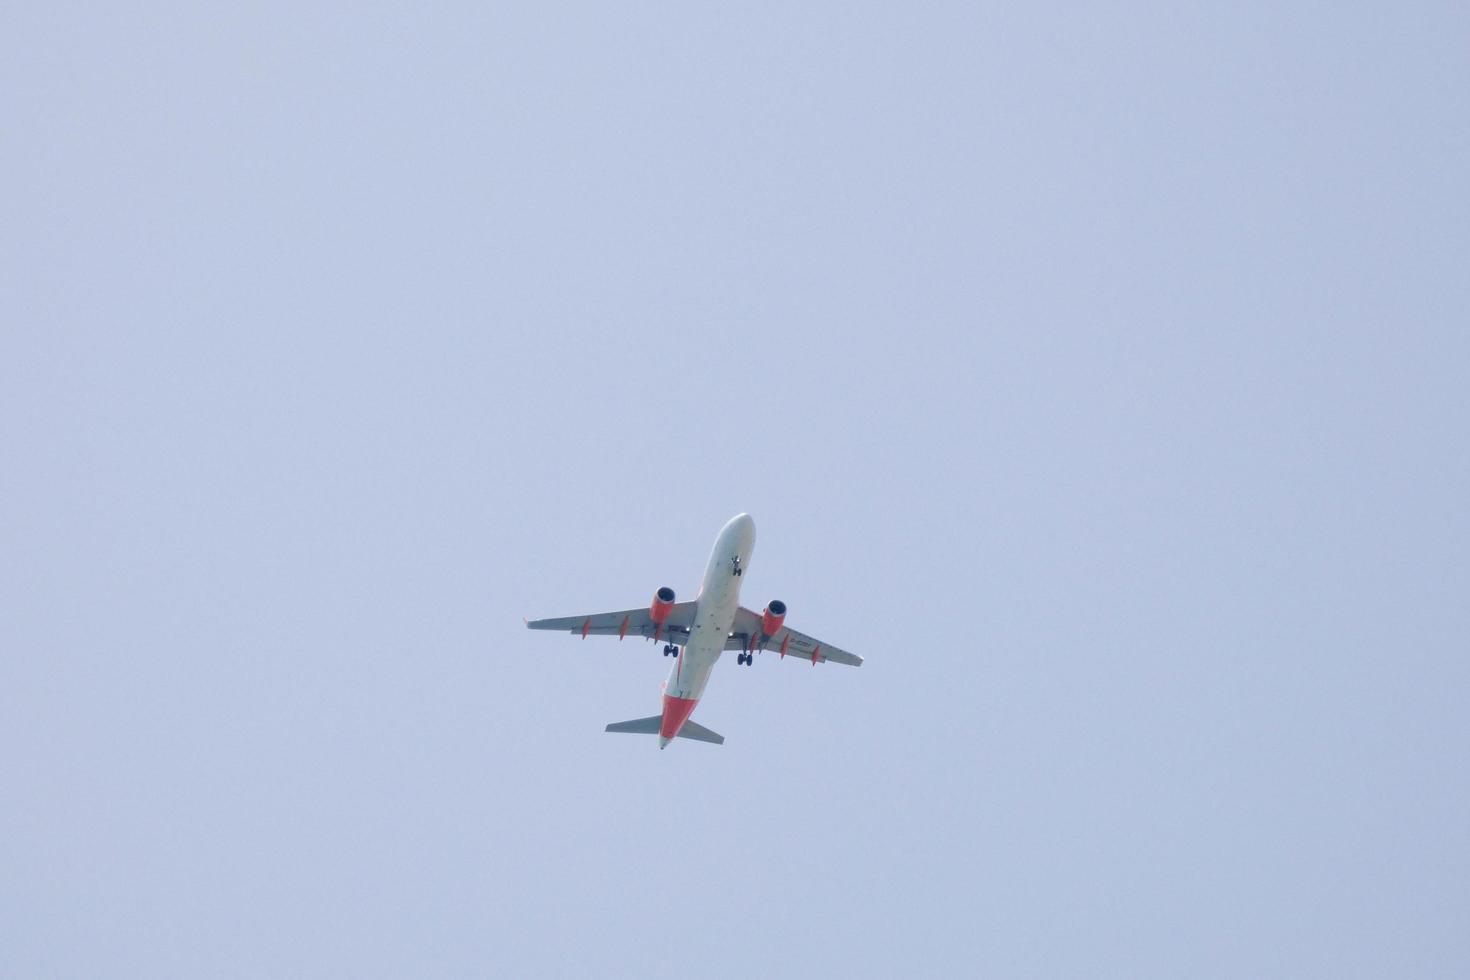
{"type": "Point", "coordinates": [698, 631]}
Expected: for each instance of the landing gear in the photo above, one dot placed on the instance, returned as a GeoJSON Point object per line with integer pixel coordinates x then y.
{"type": "Point", "coordinates": [745, 659]}
{"type": "Point", "coordinates": [670, 650]}
{"type": "Point", "coordinates": [735, 565]}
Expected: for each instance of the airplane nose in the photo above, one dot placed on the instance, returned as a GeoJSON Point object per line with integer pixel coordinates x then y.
{"type": "Point", "coordinates": [742, 525]}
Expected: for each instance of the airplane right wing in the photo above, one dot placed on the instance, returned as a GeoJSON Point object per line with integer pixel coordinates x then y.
{"type": "Point", "coordinates": [627, 622]}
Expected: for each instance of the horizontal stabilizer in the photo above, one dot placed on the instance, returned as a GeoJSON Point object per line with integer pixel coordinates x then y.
{"type": "Point", "coordinates": [700, 734]}
{"type": "Point", "coordinates": [638, 726]}
{"type": "Point", "coordinates": [650, 726]}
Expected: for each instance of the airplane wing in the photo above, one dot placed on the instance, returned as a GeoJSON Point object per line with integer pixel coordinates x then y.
{"type": "Point", "coordinates": [628, 622]}
{"type": "Point", "coordinates": [747, 628]}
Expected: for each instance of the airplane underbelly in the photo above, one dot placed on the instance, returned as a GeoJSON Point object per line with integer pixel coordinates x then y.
{"type": "Point", "coordinates": [719, 598]}
{"type": "Point", "coordinates": [691, 671]}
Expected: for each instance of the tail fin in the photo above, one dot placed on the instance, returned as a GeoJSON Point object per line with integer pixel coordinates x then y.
{"type": "Point", "coordinates": [650, 726]}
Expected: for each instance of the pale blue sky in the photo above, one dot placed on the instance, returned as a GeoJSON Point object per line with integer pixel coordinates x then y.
{"type": "Point", "coordinates": [1099, 373]}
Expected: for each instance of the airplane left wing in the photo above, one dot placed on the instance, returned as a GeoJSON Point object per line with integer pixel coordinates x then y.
{"type": "Point", "coordinates": [628, 622]}
{"type": "Point", "coordinates": [747, 629]}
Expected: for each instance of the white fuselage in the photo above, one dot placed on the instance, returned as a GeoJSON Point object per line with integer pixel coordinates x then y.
{"type": "Point", "coordinates": [714, 611]}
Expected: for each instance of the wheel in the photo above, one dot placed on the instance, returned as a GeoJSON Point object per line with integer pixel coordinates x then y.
{"type": "Point", "coordinates": [674, 652]}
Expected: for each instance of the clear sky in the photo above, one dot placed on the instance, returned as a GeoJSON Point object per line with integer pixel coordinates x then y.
{"type": "Point", "coordinates": [1098, 372]}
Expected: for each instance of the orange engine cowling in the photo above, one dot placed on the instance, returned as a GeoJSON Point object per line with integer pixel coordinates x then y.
{"type": "Point", "coordinates": [772, 617]}
{"type": "Point", "coordinates": [663, 605]}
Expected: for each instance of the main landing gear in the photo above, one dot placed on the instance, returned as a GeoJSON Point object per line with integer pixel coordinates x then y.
{"type": "Point", "coordinates": [745, 659]}
{"type": "Point", "coordinates": [670, 650]}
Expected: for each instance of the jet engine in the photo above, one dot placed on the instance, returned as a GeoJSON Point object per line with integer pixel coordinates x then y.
{"type": "Point", "coordinates": [772, 617]}
{"type": "Point", "coordinates": [663, 605]}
